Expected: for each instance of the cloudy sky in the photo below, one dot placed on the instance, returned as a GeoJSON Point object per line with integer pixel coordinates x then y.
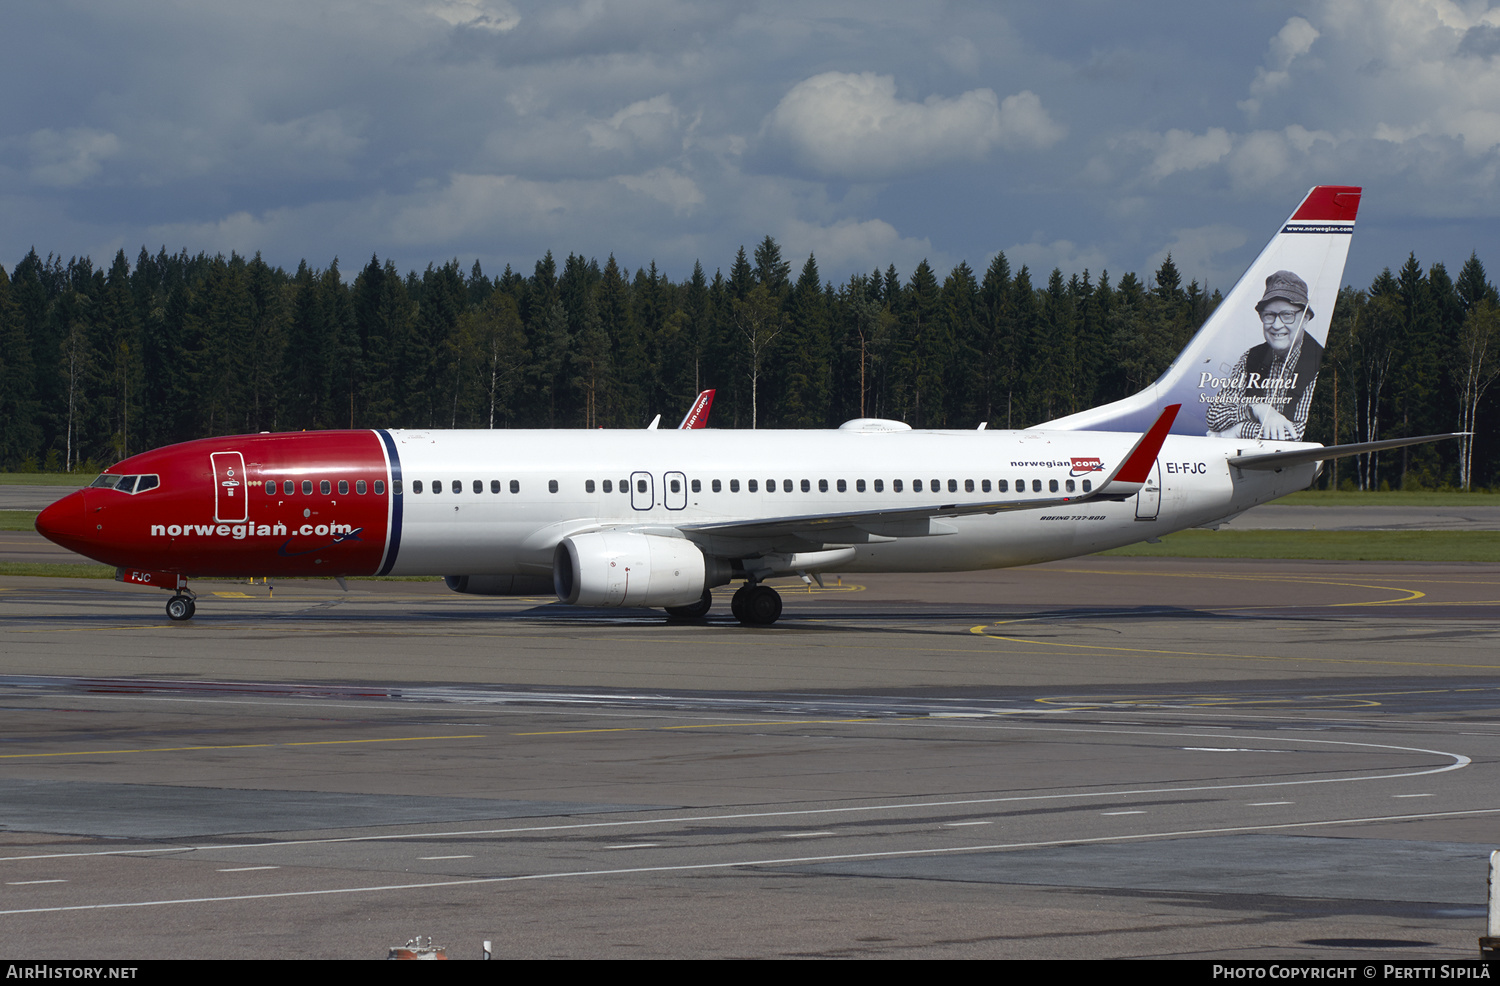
{"type": "Point", "coordinates": [1076, 134]}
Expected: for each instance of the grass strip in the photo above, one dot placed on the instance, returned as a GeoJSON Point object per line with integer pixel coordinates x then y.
{"type": "Point", "coordinates": [76, 480]}
{"type": "Point", "coordinates": [18, 520]}
{"type": "Point", "coordinates": [1481, 546]}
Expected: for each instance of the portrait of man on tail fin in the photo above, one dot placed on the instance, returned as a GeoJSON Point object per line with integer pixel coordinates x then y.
{"type": "Point", "coordinates": [1269, 391]}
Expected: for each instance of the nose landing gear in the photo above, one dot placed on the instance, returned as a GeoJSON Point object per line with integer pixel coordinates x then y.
{"type": "Point", "coordinates": [180, 607]}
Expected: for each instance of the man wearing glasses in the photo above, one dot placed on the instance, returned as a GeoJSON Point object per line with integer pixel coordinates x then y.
{"type": "Point", "coordinates": [1268, 393]}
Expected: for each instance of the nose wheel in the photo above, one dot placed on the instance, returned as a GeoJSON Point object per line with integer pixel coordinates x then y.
{"type": "Point", "coordinates": [756, 605]}
{"type": "Point", "coordinates": [180, 608]}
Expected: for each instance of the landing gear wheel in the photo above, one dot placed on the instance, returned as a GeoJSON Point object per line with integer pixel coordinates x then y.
{"type": "Point", "coordinates": [737, 601]}
{"type": "Point", "coordinates": [762, 606]}
{"type": "Point", "coordinates": [693, 611]}
{"type": "Point", "coordinates": [180, 608]}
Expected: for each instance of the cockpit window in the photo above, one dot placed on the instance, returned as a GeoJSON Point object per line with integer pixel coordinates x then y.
{"type": "Point", "coordinates": [126, 484]}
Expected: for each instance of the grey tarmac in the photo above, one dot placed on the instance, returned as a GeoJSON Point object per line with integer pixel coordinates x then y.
{"type": "Point", "coordinates": [1094, 758]}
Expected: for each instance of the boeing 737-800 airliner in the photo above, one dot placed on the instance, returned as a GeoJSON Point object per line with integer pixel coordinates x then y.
{"type": "Point", "coordinates": [659, 518]}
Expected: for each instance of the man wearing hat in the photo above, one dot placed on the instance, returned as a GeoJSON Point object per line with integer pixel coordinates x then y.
{"type": "Point", "coordinates": [1271, 388]}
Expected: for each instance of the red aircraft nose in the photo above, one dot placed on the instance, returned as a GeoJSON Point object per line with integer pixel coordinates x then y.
{"type": "Point", "coordinates": [64, 522]}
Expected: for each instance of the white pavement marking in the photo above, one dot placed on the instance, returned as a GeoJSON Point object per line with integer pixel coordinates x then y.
{"type": "Point", "coordinates": [737, 864]}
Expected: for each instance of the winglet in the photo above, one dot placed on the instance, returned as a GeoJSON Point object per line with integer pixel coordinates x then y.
{"type": "Point", "coordinates": [697, 416]}
{"type": "Point", "coordinates": [1137, 464]}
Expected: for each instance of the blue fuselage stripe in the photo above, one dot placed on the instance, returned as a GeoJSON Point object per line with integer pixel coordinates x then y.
{"type": "Point", "coordinates": [393, 537]}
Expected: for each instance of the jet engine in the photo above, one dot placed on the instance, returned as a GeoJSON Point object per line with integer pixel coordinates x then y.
{"type": "Point", "coordinates": [620, 568]}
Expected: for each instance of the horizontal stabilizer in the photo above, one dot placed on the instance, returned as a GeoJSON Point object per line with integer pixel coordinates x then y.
{"type": "Point", "coordinates": [1297, 457]}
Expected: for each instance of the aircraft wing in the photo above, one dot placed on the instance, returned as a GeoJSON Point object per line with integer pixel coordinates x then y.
{"type": "Point", "coordinates": [864, 526]}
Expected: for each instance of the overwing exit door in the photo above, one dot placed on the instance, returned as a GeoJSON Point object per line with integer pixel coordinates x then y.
{"type": "Point", "coordinates": [642, 491]}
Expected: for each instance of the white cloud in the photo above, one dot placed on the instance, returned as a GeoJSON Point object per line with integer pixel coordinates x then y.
{"type": "Point", "coordinates": [649, 122]}
{"type": "Point", "coordinates": [854, 245]}
{"type": "Point", "coordinates": [1179, 150]}
{"type": "Point", "coordinates": [666, 186]}
{"type": "Point", "coordinates": [853, 125]}
{"type": "Point", "coordinates": [1064, 255]}
{"type": "Point", "coordinates": [1198, 253]}
{"type": "Point", "coordinates": [1024, 123]}
{"type": "Point", "coordinates": [69, 157]}
{"type": "Point", "coordinates": [1295, 39]}
{"type": "Point", "coordinates": [487, 15]}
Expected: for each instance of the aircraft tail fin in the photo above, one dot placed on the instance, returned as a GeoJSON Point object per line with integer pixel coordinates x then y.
{"type": "Point", "coordinates": [697, 416]}
{"type": "Point", "coordinates": [1250, 370]}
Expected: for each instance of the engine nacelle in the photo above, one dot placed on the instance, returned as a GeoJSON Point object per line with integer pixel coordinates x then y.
{"type": "Point", "coordinates": [500, 585]}
{"type": "Point", "coordinates": [619, 568]}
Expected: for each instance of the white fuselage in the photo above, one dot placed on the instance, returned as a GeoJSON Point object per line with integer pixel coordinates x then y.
{"type": "Point", "coordinates": [560, 480]}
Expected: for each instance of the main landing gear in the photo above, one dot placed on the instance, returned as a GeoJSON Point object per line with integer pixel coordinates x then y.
{"type": "Point", "coordinates": [756, 605]}
{"type": "Point", "coordinates": [693, 611]}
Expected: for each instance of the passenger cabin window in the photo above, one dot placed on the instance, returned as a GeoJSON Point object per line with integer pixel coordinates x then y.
{"type": "Point", "coordinates": [270, 487]}
{"type": "Point", "coordinates": [416, 486]}
{"type": "Point", "coordinates": [515, 486]}
{"type": "Point", "coordinates": [718, 487]}
{"type": "Point", "coordinates": [343, 487]}
{"type": "Point", "coordinates": [734, 486]}
{"type": "Point", "coordinates": [807, 487]}
{"type": "Point", "coordinates": [697, 486]}
{"type": "Point", "coordinates": [478, 486]}
{"type": "Point", "coordinates": [608, 486]}
{"type": "Point", "coordinates": [437, 486]}
{"type": "Point", "coordinates": [750, 485]}
{"type": "Point", "coordinates": [1088, 485]}
{"type": "Point", "coordinates": [380, 487]}
{"type": "Point", "coordinates": [953, 486]}
{"type": "Point", "coordinates": [458, 486]}
{"type": "Point", "coordinates": [1052, 486]}
{"type": "Point", "coordinates": [895, 485]}
{"type": "Point", "coordinates": [859, 485]}
{"type": "Point", "coordinates": [325, 487]}
{"type": "Point", "coordinates": [676, 485]}
{"type": "Point", "coordinates": [494, 486]}
{"type": "Point", "coordinates": [786, 486]}
{"type": "Point", "coordinates": [1003, 485]}
{"type": "Point", "coordinates": [879, 485]}
{"type": "Point", "coordinates": [307, 487]}
{"type": "Point", "coordinates": [916, 486]}
{"type": "Point", "coordinates": [360, 487]}
{"type": "Point", "coordinates": [288, 487]}
{"type": "Point", "coordinates": [551, 486]}
{"type": "Point", "coordinates": [1036, 486]}
{"type": "Point", "coordinates": [640, 486]}
{"type": "Point", "coordinates": [588, 486]}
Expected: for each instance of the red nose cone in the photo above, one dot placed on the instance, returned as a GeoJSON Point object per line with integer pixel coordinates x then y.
{"type": "Point", "coordinates": [64, 523]}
